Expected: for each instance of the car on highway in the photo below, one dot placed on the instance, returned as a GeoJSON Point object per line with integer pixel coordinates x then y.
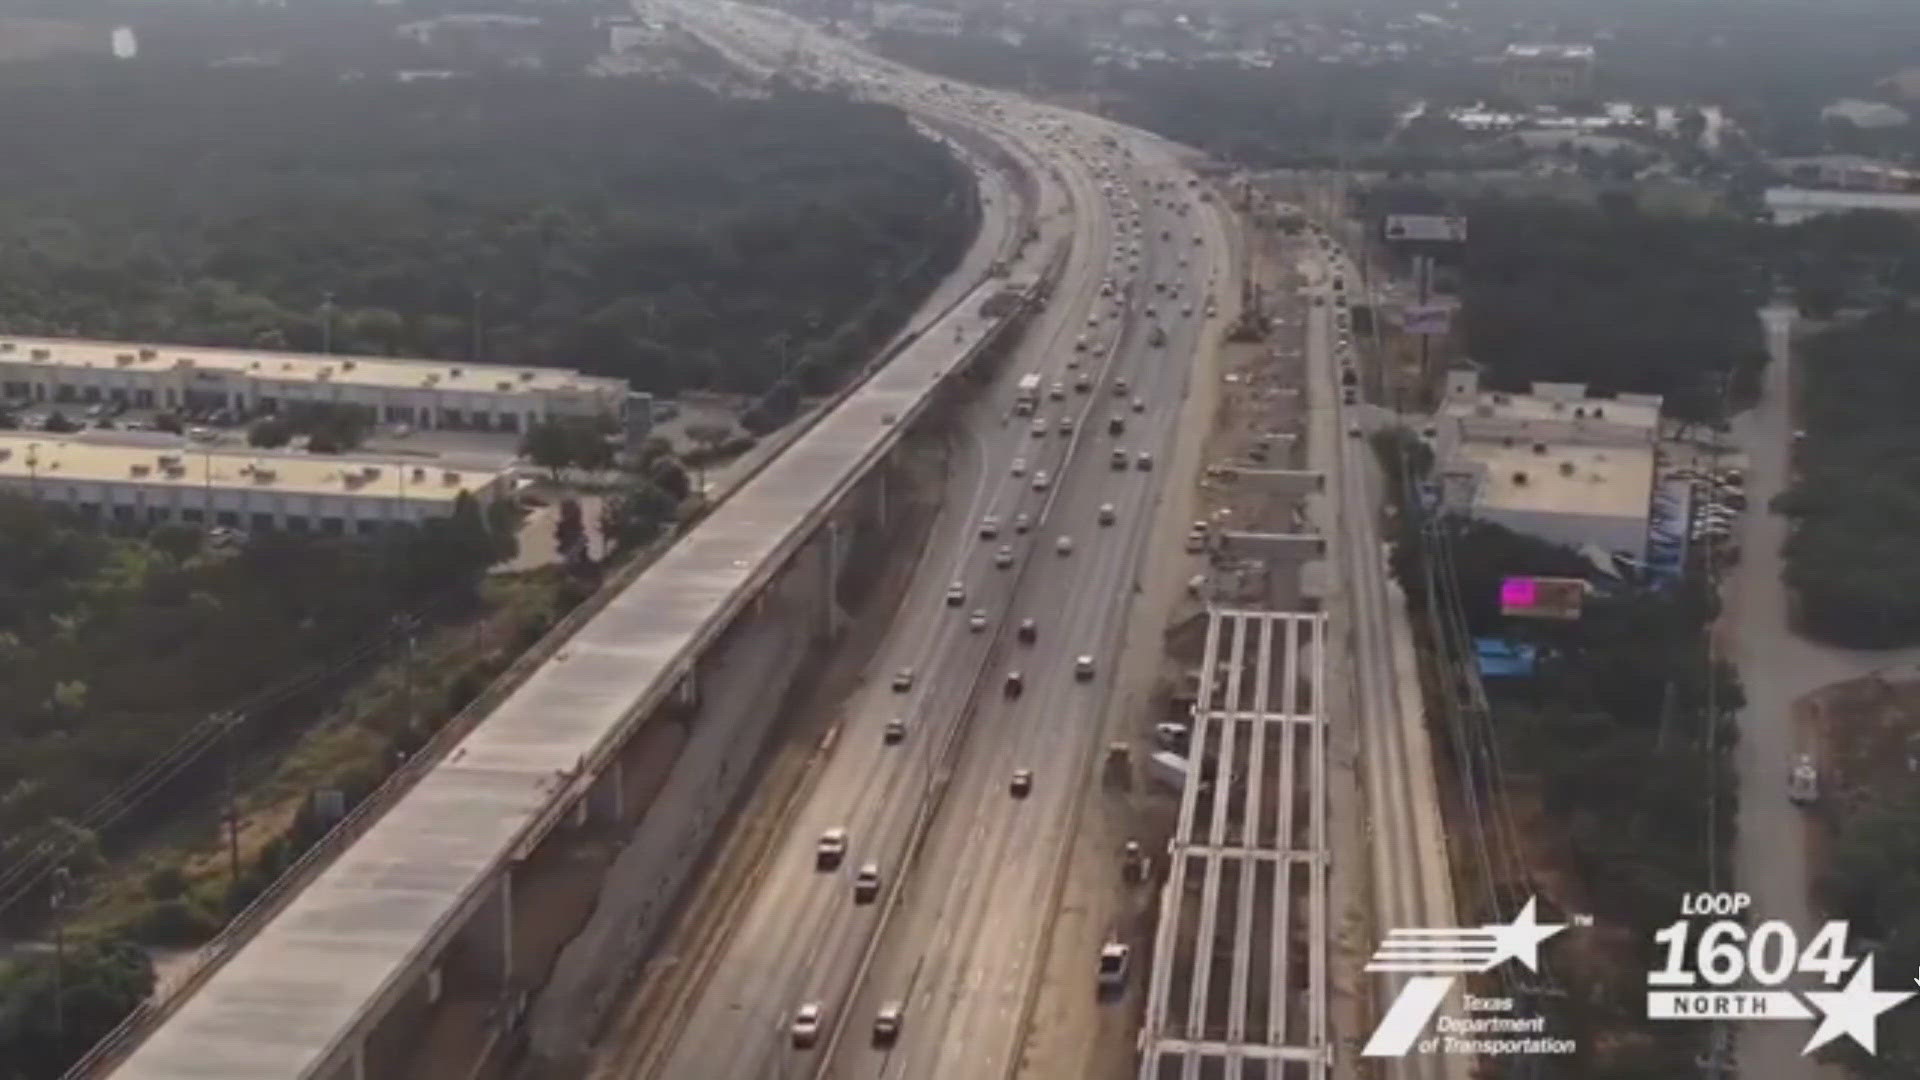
{"type": "Point", "coordinates": [1083, 383]}
{"type": "Point", "coordinates": [1112, 971]}
{"type": "Point", "coordinates": [896, 731]}
{"type": "Point", "coordinates": [1021, 523]}
{"type": "Point", "coordinates": [1063, 546]}
{"type": "Point", "coordinates": [1057, 391]}
{"type": "Point", "coordinates": [1120, 386]}
{"type": "Point", "coordinates": [1144, 461]}
{"type": "Point", "coordinates": [1116, 424]}
{"type": "Point", "coordinates": [1019, 466]}
{"type": "Point", "coordinates": [1139, 405]}
{"type": "Point", "coordinates": [1021, 784]}
{"type": "Point", "coordinates": [886, 1023]}
{"type": "Point", "coordinates": [956, 594]}
{"type": "Point", "coordinates": [977, 621]}
{"type": "Point", "coordinates": [1066, 425]}
{"type": "Point", "coordinates": [866, 883]}
{"type": "Point", "coordinates": [1015, 684]}
{"type": "Point", "coordinates": [903, 680]}
{"type": "Point", "coordinates": [1083, 668]}
{"type": "Point", "coordinates": [1041, 480]}
{"type": "Point", "coordinates": [1003, 558]}
{"type": "Point", "coordinates": [831, 849]}
{"type": "Point", "coordinates": [1039, 428]}
{"type": "Point", "coordinates": [806, 1025]}
{"type": "Point", "coordinates": [1107, 514]}
{"type": "Point", "coordinates": [989, 527]}
{"type": "Point", "coordinates": [1029, 631]}
{"type": "Point", "coordinates": [1120, 458]}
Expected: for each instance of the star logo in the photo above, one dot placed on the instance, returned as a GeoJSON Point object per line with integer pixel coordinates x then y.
{"type": "Point", "coordinates": [1851, 1011]}
{"type": "Point", "coordinates": [1521, 938]}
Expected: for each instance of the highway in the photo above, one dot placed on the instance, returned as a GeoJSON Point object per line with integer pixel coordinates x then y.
{"type": "Point", "coordinates": [957, 935]}
{"type": "Point", "coordinates": [1374, 676]}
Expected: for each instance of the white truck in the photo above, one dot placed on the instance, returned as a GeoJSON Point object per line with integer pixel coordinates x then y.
{"type": "Point", "coordinates": [1028, 395]}
{"type": "Point", "coordinates": [1803, 782]}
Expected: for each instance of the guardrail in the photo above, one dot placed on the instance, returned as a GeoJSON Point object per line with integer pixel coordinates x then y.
{"type": "Point", "coordinates": [139, 1023]}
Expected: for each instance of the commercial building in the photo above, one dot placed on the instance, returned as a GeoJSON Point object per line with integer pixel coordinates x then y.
{"type": "Point", "coordinates": [255, 492]}
{"type": "Point", "coordinates": [1557, 463]}
{"type": "Point", "coordinates": [420, 393]}
{"type": "Point", "coordinates": [1540, 74]}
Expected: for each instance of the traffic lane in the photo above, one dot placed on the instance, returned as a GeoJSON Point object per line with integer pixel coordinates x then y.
{"type": "Point", "coordinates": [792, 909]}
{"type": "Point", "coordinates": [1055, 751]}
{"type": "Point", "coordinates": [781, 926]}
{"type": "Point", "coordinates": [832, 955]}
{"type": "Point", "coordinates": [1049, 734]}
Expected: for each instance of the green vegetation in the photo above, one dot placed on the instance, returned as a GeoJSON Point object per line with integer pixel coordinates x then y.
{"type": "Point", "coordinates": [660, 233]}
{"type": "Point", "coordinates": [1855, 503]}
{"type": "Point", "coordinates": [1623, 300]}
{"type": "Point", "coordinates": [96, 982]}
{"type": "Point", "coordinates": [1841, 261]}
{"type": "Point", "coordinates": [1873, 876]}
{"type": "Point", "coordinates": [1604, 756]}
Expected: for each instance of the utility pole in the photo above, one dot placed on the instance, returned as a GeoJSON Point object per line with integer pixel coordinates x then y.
{"type": "Point", "coordinates": [56, 902]}
{"type": "Point", "coordinates": [232, 812]}
{"type": "Point", "coordinates": [326, 322]}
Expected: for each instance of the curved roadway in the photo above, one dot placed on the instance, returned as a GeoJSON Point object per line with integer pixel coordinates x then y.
{"type": "Point", "coordinates": [962, 946]}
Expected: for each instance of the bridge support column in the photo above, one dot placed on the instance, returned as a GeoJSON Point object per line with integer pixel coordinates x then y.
{"type": "Point", "coordinates": [608, 794]}
{"type": "Point", "coordinates": [833, 550]}
{"type": "Point", "coordinates": [686, 692]}
{"type": "Point", "coordinates": [492, 930]}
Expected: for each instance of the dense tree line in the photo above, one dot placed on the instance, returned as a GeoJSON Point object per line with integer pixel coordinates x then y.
{"type": "Point", "coordinates": [1618, 298]}
{"type": "Point", "coordinates": [1855, 500]}
{"type": "Point", "coordinates": [1608, 742]}
{"type": "Point", "coordinates": [660, 233]}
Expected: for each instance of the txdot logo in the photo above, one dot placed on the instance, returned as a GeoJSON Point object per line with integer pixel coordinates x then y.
{"type": "Point", "coordinates": [1435, 956]}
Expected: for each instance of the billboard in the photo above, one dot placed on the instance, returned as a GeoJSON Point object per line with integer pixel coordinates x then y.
{"type": "Point", "coordinates": [1428, 320]}
{"type": "Point", "coordinates": [1542, 597]}
{"type": "Point", "coordinates": [1429, 228]}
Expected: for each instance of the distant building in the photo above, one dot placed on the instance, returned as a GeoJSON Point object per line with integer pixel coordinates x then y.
{"type": "Point", "coordinates": [249, 490]}
{"type": "Point", "coordinates": [916, 18]}
{"type": "Point", "coordinates": [1558, 463]}
{"type": "Point", "coordinates": [421, 393]}
{"type": "Point", "coordinates": [1540, 74]}
{"type": "Point", "coordinates": [1789, 206]}
{"type": "Point", "coordinates": [1865, 114]}
{"type": "Point", "coordinates": [1848, 172]}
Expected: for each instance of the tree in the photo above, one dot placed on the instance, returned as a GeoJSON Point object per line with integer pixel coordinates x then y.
{"type": "Point", "coordinates": [570, 531]}
{"type": "Point", "coordinates": [708, 435]}
{"type": "Point", "coordinates": [269, 433]}
{"type": "Point", "coordinates": [550, 445]}
{"type": "Point", "coordinates": [636, 514]}
{"type": "Point", "coordinates": [99, 982]}
{"type": "Point", "coordinates": [669, 476]}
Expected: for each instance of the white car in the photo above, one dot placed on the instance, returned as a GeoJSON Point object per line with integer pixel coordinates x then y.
{"type": "Point", "coordinates": [1083, 668]}
{"type": "Point", "coordinates": [806, 1025]}
{"type": "Point", "coordinates": [831, 849]}
{"type": "Point", "coordinates": [989, 527]}
{"type": "Point", "coordinates": [1019, 466]}
{"type": "Point", "coordinates": [1107, 513]}
{"type": "Point", "coordinates": [1064, 545]}
{"type": "Point", "coordinates": [956, 594]}
{"type": "Point", "coordinates": [866, 883]}
{"type": "Point", "coordinates": [1040, 480]}
{"type": "Point", "coordinates": [1021, 523]}
{"type": "Point", "coordinates": [977, 621]}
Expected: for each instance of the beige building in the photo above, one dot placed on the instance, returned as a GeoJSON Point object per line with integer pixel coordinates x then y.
{"type": "Point", "coordinates": [1557, 463]}
{"type": "Point", "coordinates": [420, 393]}
{"type": "Point", "coordinates": [1542, 74]}
{"type": "Point", "coordinates": [251, 491]}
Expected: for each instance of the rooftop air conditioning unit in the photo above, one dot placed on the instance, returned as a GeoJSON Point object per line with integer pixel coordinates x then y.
{"type": "Point", "coordinates": [419, 474]}
{"type": "Point", "coordinates": [1566, 468]}
{"type": "Point", "coordinates": [371, 472]}
{"type": "Point", "coordinates": [526, 376]}
{"type": "Point", "coordinates": [6, 346]}
{"type": "Point", "coordinates": [1539, 448]}
{"type": "Point", "coordinates": [169, 461]}
{"type": "Point", "coordinates": [1519, 479]}
{"type": "Point", "coordinates": [264, 476]}
{"type": "Point", "coordinates": [347, 365]}
{"type": "Point", "coordinates": [1579, 414]}
{"type": "Point", "coordinates": [5, 453]}
{"type": "Point", "coordinates": [449, 477]}
{"type": "Point", "coordinates": [1599, 413]}
{"type": "Point", "coordinates": [123, 359]}
{"type": "Point", "coordinates": [42, 354]}
{"type": "Point", "coordinates": [148, 354]}
{"type": "Point", "coordinates": [142, 470]}
{"type": "Point", "coordinates": [457, 373]}
{"type": "Point", "coordinates": [503, 385]}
